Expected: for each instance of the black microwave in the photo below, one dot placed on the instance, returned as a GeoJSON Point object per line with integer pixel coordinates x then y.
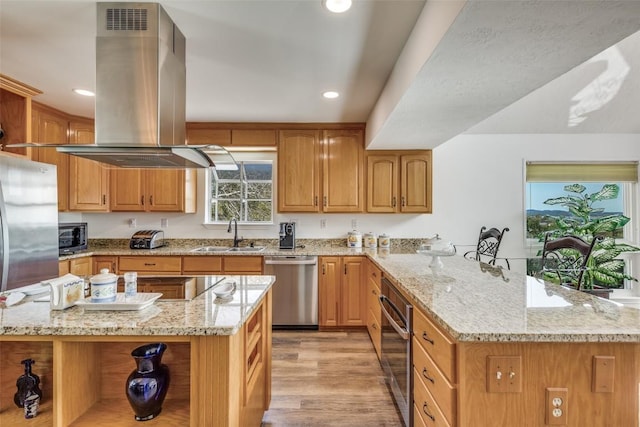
{"type": "Point", "coordinates": [72, 237]}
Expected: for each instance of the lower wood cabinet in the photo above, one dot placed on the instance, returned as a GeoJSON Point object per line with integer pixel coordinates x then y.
{"type": "Point", "coordinates": [102, 262]}
{"type": "Point", "coordinates": [216, 380]}
{"type": "Point", "coordinates": [342, 291]}
{"type": "Point", "coordinates": [77, 266]}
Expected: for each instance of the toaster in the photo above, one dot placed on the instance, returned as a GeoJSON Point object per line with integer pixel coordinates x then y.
{"type": "Point", "coordinates": [147, 239]}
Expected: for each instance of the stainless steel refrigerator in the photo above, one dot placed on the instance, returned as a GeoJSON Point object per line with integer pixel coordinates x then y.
{"type": "Point", "coordinates": [28, 222]}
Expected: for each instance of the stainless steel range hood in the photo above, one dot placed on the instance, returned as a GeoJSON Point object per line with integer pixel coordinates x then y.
{"type": "Point", "coordinates": [140, 92]}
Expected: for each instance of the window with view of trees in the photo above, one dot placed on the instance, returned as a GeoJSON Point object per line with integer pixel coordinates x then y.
{"type": "Point", "coordinates": [245, 194]}
{"type": "Point", "coordinates": [589, 201]}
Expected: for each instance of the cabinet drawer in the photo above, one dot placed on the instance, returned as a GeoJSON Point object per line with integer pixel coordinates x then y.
{"type": "Point", "coordinates": [373, 326]}
{"type": "Point", "coordinates": [426, 411]}
{"type": "Point", "coordinates": [437, 345]}
{"type": "Point", "coordinates": [150, 264]}
{"type": "Point", "coordinates": [242, 264]}
{"type": "Point", "coordinates": [202, 264]}
{"type": "Point", "coordinates": [167, 291]}
{"type": "Point", "coordinates": [441, 390]}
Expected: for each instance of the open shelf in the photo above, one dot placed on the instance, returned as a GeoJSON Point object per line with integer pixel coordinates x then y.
{"type": "Point", "coordinates": [117, 412]}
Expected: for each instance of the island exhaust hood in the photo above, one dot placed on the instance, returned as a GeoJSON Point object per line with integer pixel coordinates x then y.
{"type": "Point", "coordinates": [141, 93]}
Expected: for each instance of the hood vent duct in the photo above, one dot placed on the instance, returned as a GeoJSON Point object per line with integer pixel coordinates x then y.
{"type": "Point", "coordinates": [141, 93]}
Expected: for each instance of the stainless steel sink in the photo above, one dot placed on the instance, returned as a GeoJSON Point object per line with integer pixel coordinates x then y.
{"type": "Point", "coordinates": [211, 249]}
{"type": "Point", "coordinates": [229, 249]}
{"type": "Point", "coordinates": [247, 249]}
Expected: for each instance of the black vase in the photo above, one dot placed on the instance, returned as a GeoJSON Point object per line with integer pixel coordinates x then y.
{"type": "Point", "coordinates": [147, 385]}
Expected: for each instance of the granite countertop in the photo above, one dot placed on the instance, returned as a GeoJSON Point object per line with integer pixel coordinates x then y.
{"type": "Point", "coordinates": [470, 300]}
{"type": "Point", "coordinates": [203, 315]}
{"type": "Point", "coordinates": [476, 302]}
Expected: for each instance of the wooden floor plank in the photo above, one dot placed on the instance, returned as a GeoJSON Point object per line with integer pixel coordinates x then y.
{"type": "Point", "coordinates": [328, 379]}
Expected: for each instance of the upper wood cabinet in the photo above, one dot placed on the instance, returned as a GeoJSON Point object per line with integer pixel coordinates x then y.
{"type": "Point", "coordinates": [153, 190]}
{"type": "Point", "coordinates": [399, 181]}
{"type": "Point", "coordinates": [230, 135]}
{"type": "Point", "coordinates": [299, 170]}
{"type": "Point", "coordinates": [321, 171]}
{"type": "Point", "coordinates": [15, 114]}
{"type": "Point", "coordinates": [88, 179]}
{"type": "Point", "coordinates": [52, 127]}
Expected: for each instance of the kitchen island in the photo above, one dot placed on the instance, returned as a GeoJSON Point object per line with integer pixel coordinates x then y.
{"type": "Point", "coordinates": [219, 356]}
{"type": "Point", "coordinates": [493, 347]}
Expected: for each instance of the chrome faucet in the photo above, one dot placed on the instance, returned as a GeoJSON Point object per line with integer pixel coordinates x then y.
{"type": "Point", "coordinates": [235, 233]}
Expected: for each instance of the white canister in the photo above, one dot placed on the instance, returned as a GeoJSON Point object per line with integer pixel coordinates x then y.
{"type": "Point", "coordinates": [370, 240]}
{"type": "Point", "coordinates": [104, 286]}
{"type": "Point", "coordinates": [384, 241]}
{"type": "Point", "coordinates": [354, 239]}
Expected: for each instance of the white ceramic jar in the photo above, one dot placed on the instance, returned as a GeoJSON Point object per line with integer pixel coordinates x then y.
{"type": "Point", "coordinates": [370, 240]}
{"type": "Point", "coordinates": [104, 286]}
{"type": "Point", "coordinates": [384, 241]}
{"type": "Point", "coordinates": [354, 239]}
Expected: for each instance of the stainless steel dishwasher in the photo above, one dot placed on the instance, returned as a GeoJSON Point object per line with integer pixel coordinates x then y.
{"type": "Point", "coordinates": [295, 292]}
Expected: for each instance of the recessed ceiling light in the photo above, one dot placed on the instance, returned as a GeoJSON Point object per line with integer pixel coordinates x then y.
{"type": "Point", "coordinates": [330, 94]}
{"type": "Point", "coordinates": [84, 92]}
{"type": "Point", "coordinates": [337, 6]}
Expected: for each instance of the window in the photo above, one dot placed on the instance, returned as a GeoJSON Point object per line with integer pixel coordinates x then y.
{"type": "Point", "coordinates": [587, 200]}
{"type": "Point", "coordinates": [245, 194]}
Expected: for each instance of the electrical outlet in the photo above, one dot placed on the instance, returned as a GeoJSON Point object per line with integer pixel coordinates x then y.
{"type": "Point", "coordinates": [354, 224]}
{"type": "Point", "coordinates": [323, 223]}
{"type": "Point", "coordinates": [132, 223]}
{"type": "Point", "coordinates": [504, 374]}
{"type": "Point", "coordinates": [557, 406]}
{"type": "Point", "coordinates": [164, 222]}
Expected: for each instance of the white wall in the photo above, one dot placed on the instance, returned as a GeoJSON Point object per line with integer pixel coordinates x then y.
{"type": "Point", "coordinates": [478, 180]}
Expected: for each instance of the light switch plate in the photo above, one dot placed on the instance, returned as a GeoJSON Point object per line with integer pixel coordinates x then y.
{"type": "Point", "coordinates": [504, 374]}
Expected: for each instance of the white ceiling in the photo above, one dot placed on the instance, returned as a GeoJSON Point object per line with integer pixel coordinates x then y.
{"type": "Point", "coordinates": [269, 61]}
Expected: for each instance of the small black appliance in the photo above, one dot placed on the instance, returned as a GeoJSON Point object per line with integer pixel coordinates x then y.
{"type": "Point", "coordinates": [72, 237]}
{"type": "Point", "coordinates": [287, 235]}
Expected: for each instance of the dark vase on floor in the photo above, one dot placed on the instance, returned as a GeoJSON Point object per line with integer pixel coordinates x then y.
{"type": "Point", "coordinates": [147, 384]}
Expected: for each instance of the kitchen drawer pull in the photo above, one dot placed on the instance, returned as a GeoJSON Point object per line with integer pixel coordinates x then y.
{"type": "Point", "coordinates": [373, 325]}
{"type": "Point", "coordinates": [425, 409]}
{"type": "Point", "coordinates": [150, 264]}
{"type": "Point", "coordinates": [427, 339]}
{"type": "Point", "coordinates": [425, 374]}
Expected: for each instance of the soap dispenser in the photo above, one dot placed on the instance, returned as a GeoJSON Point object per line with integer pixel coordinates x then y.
{"type": "Point", "coordinates": [28, 385]}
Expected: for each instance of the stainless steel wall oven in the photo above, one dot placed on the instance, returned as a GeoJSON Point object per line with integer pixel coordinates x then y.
{"type": "Point", "coordinates": [396, 347]}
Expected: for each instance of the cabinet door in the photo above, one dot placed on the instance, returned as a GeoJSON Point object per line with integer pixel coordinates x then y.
{"type": "Point", "coordinates": [50, 128]}
{"type": "Point", "coordinates": [329, 283]}
{"type": "Point", "coordinates": [126, 190]}
{"type": "Point", "coordinates": [253, 137]}
{"type": "Point", "coordinates": [88, 179]}
{"type": "Point", "coordinates": [165, 190]}
{"type": "Point", "coordinates": [63, 268]}
{"type": "Point", "coordinates": [299, 173]}
{"type": "Point", "coordinates": [343, 176]}
{"type": "Point", "coordinates": [415, 182]}
{"type": "Point", "coordinates": [81, 266]}
{"type": "Point", "coordinates": [353, 300]}
{"type": "Point", "coordinates": [382, 183]}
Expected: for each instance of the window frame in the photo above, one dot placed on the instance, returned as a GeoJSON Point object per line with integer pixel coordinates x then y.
{"type": "Point", "coordinates": [242, 158]}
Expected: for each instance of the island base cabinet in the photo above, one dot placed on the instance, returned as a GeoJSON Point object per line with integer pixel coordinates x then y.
{"type": "Point", "coordinates": [11, 354]}
{"type": "Point", "coordinates": [545, 365]}
{"type": "Point", "coordinates": [90, 380]}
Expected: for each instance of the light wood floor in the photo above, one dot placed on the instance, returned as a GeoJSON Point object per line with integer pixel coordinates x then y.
{"type": "Point", "coordinates": [328, 379]}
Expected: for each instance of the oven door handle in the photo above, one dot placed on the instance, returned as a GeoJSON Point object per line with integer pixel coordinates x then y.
{"type": "Point", "coordinates": [404, 333]}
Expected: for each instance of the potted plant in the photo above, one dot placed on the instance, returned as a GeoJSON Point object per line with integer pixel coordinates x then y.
{"type": "Point", "coordinates": [605, 271]}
